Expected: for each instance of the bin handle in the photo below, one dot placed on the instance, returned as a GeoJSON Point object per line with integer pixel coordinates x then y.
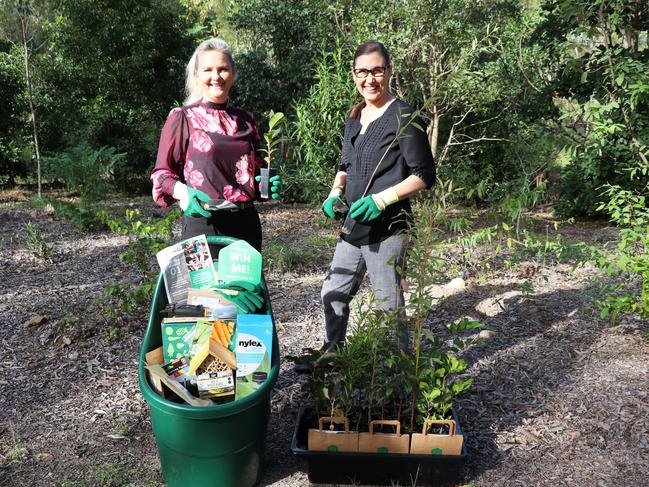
{"type": "Point", "coordinates": [387, 422]}
{"type": "Point", "coordinates": [430, 422]}
{"type": "Point", "coordinates": [334, 419]}
{"type": "Point", "coordinates": [221, 240]}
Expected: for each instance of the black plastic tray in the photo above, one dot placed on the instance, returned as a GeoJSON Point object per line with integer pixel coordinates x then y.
{"type": "Point", "coordinates": [376, 468]}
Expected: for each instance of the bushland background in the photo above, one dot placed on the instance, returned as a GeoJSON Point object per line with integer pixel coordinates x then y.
{"type": "Point", "coordinates": [538, 117]}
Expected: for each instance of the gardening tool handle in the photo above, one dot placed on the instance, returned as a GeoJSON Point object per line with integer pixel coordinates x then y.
{"type": "Point", "coordinates": [386, 422]}
{"type": "Point", "coordinates": [430, 422]}
{"type": "Point", "coordinates": [334, 419]}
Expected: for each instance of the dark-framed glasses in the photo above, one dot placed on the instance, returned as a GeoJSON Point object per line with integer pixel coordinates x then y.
{"type": "Point", "coordinates": [377, 72]}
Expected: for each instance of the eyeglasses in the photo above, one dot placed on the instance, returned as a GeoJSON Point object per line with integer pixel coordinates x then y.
{"type": "Point", "coordinates": [377, 72]}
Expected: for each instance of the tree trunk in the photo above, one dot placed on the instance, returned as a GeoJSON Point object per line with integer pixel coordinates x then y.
{"type": "Point", "coordinates": [433, 132]}
{"type": "Point", "coordinates": [31, 104]}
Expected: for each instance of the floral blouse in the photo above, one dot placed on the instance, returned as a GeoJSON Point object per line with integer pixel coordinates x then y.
{"type": "Point", "coordinates": [208, 146]}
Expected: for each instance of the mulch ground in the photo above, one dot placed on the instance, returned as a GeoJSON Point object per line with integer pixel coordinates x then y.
{"type": "Point", "coordinates": [559, 397]}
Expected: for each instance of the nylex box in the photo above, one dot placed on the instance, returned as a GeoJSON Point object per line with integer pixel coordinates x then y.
{"type": "Point", "coordinates": [254, 352]}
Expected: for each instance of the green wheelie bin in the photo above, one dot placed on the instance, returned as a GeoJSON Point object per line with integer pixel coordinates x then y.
{"type": "Point", "coordinates": [215, 446]}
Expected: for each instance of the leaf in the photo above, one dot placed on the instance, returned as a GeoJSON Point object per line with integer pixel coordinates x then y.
{"type": "Point", "coordinates": [274, 119]}
{"type": "Point", "coordinates": [417, 126]}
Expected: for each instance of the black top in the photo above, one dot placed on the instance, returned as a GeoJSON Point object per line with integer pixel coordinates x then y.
{"type": "Point", "coordinates": [409, 154]}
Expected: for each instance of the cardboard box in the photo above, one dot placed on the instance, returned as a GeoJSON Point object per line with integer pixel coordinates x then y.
{"type": "Point", "coordinates": [215, 384]}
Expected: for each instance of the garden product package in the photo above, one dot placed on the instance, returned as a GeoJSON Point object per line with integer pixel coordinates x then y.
{"type": "Point", "coordinates": [186, 264]}
{"type": "Point", "coordinates": [254, 352]}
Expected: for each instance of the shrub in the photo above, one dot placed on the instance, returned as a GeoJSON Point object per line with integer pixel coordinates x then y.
{"type": "Point", "coordinates": [317, 130]}
{"type": "Point", "coordinates": [85, 170]}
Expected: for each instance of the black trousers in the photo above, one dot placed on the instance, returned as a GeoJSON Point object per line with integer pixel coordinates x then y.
{"type": "Point", "coordinates": [242, 224]}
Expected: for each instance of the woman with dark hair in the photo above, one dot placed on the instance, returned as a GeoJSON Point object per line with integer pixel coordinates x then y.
{"type": "Point", "coordinates": [208, 151]}
{"type": "Point", "coordinates": [385, 160]}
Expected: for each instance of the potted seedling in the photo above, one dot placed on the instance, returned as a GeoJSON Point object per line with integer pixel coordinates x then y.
{"type": "Point", "coordinates": [374, 381]}
{"type": "Point", "coordinates": [273, 139]}
{"type": "Point", "coordinates": [332, 406]}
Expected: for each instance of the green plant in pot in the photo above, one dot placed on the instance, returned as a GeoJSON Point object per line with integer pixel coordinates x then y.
{"type": "Point", "coordinates": [273, 138]}
{"type": "Point", "coordinates": [375, 379]}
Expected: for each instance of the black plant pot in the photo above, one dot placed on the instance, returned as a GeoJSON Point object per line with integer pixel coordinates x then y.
{"type": "Point", "coordinates": [375, 468]}
{"type": "Point", "coordinates": [264, 183]}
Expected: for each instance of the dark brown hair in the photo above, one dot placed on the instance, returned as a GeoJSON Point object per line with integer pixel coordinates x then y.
{"type": "Point", "coordinates": [368, 48]}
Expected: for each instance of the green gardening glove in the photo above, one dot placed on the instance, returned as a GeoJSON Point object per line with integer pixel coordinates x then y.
{"type": "Point", "coordinates": [246, 300]}
{"type": "Point", "coordinates": [275, 186]}
{"type": "Point", "coordinates": [365, 210]}
{"type": "Point", "coordinates": [330, 202]}
{"type": "Point", "coordinates": [193, 206]}
{"type": "Point", "coordinates": [371, 207]}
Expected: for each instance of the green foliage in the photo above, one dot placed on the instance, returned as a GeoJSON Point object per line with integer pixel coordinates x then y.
{"type": "Point", "coordinates": [115, 87]}
{"type": "Point", "coordinates": [119, 474]}
{"type": "Point", "coordinates": [317, 129]}
{"type": "Point", "coordinates": [14, 456]}
{"type": "Point", "coordinates": [14, 129]}
{"type": "Point", "coordinates": [367, 376]}
{"type": "Point", "coordinates": [606, 117]}
{"type": "Point", "coordinates": [274, 137]}
{"type": "Point", "coordinates": [288, 257]}
{"type": "Point", "coordinates": [125, 299]}
{"type": "Point", "coordinates": [435, 389]}
{"type": "Point", "coordinates": [278, 41]}
{"type": "Point", "coordinates": [85, 170]}
{"type": "Point", "coordinates": [83, 215]}
{"type": "Point", "coordinates": [606, 113]}
{"type": "Point", "coordinates": [631, 259]}
{"type": "Point", "coordinates": [432, 364]}
{"type": "Point", "coordinates": [146, 238]}
{"type": "Point", "coordinates": [375, 374]}
{"type": "Point", "coordinates": [36, 243]}
{"type": "Point", "coordinates": [285, 257]}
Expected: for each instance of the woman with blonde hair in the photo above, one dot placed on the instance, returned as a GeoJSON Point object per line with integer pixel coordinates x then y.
{"type": "Point", "coordinates": [208, 151]}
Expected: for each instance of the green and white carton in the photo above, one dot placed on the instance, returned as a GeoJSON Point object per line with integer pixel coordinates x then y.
{"type": "Point", "coordinates": [254, 352]}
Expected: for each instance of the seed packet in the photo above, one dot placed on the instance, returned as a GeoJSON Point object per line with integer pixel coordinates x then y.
{"type": "Point", "coordinates": [177, 368]}
{"type": "Point", "coordinates": [215, 384]}
{"type": "Point", "coordinates": [177, 334]}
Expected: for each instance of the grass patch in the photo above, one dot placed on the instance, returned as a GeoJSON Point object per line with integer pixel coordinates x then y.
{"type": "Point", "coordinates": [14, 456]}
{"type": "Point", "coordinates": [36, 243]}
{"type": "Point", "coordinates": [83, 216]}
{"type": "Point", "coordinates": [311, 252]}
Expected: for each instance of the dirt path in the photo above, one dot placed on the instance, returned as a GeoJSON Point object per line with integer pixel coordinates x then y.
{"type": "Point", "coordinates": [559, 397]}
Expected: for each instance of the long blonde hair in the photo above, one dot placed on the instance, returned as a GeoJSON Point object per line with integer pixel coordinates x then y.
{"type": "Point", "coordinates": [193, 88]}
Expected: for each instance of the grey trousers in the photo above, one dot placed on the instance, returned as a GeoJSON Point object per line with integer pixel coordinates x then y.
{"type": "Point", "coordinates": [381, 261]}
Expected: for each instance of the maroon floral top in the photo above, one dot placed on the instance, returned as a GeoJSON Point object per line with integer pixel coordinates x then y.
{"type": "Point", "coordinates": [208, 146]}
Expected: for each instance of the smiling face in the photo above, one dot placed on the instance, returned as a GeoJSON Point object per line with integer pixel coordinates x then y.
{"type": "Point", "coordinates": [374, 89]}
{"type": "Point", "coordinates": [215, 75]}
